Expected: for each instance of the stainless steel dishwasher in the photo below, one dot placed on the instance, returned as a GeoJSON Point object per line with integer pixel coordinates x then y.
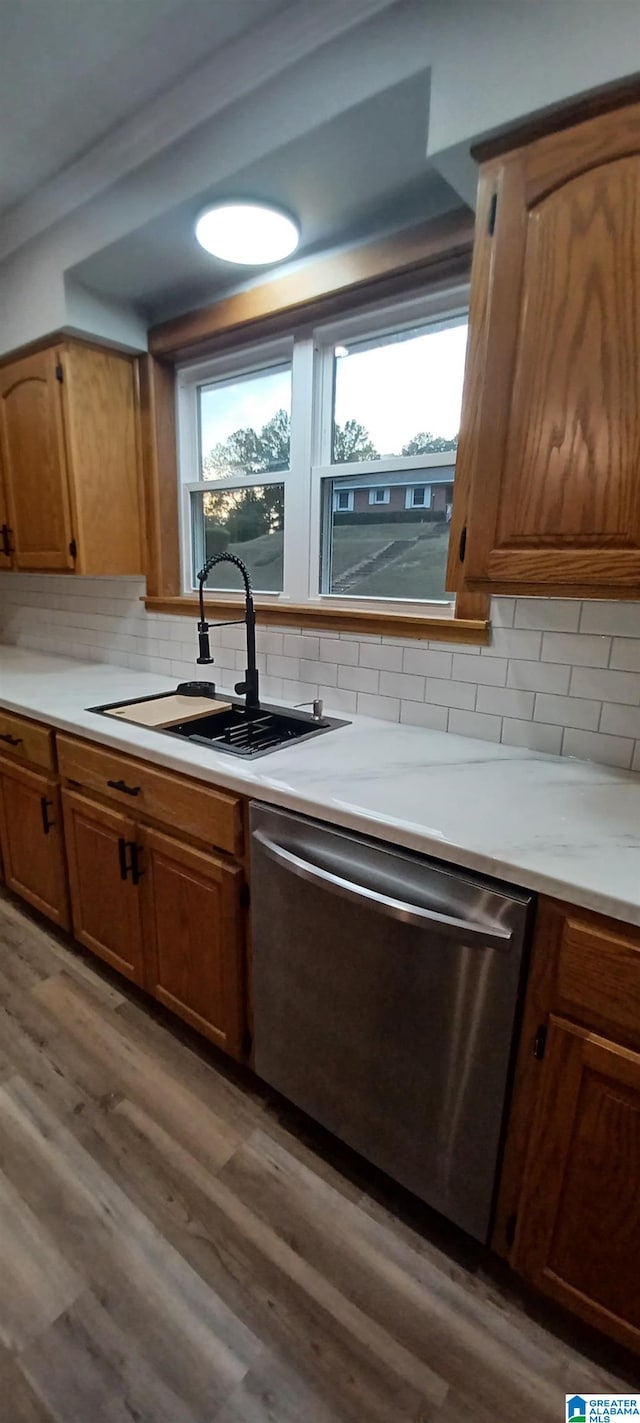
{"type": "Point", "coordinates": [386, 996]}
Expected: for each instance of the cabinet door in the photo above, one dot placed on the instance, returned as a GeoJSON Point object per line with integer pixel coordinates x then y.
{"type": "Point", "coordinates": [194, 937]}
{"type": "Point", "coordinates": [6, 532]}
{"type": "Point", "coordinates": [99, 398]}
{"type": "Point", "coordinates": [34, 461]}
{"type": "Point", "coordinates": [578, 1235]}
{"type": "Point", "coordinates": [32, 841]}
{"type": "Point", "coordinates": [548, 476]}
{"type": "Point", "coordinates": [105, 893]}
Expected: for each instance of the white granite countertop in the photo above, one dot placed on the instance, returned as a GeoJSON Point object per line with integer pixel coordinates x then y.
{"type": "Point", "coordinates": [566, 828]}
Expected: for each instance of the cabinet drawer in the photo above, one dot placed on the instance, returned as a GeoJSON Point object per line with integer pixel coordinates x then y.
{"type": "Point", "coordinates": [208, 815]}
{"type": "Point", "coordinates": [26, 740]}
{"type": "Point", "coordinates": [599, 974]}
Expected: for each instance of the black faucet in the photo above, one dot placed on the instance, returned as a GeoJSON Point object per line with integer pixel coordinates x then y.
{"type": "Point", "coordinates": [248, 688]}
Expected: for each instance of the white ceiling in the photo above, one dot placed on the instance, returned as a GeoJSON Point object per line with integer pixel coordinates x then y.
{"type": "Point", "coordinates": [70, 70]}
{"type": "Point", "coordinates": [362, 172]}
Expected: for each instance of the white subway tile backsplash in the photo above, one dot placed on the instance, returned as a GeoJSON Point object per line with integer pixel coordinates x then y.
{"type": "Point", "coordinates": [388, 708]}
{"type": "Point", "coordinates": [301, 645]}
{"type": "Point", "coordinates": [592, 746]}
{"type": "Point", "coordinates": [620, 721]}
{"type": "Point", "coordinates": [538, 676]}
{"type": "Point", "coordinates": [358, 679]}
{"type": "Point", "coordinates": [567, 711]}
{"type": "Point", "coordinates": [313, 670]}
{"type": "Point", "coordinates": [402, 684]}
{"type": "Point", "coordinates": [580, 649]}
{"type": "Point", "coordinates": [621, 619]}
{"type": "Point", "coordinates": [471, 723]}
{"type": "Point", "coordinates": [450, 694]}
{"type": "Point", "coordinates": [489, 670]}
{"type": "Point", "coordinates": [348, 651]}
{"type": "Point", "coordinates": [297, 692]}
{"type": "Point", "coordinates": [540, 683]}
{"type": "Point", "coordinates": [427, 662]}
{"type": "Point", "coordinates": [503, 612]}
{"type": "Point", "coordinates": [513, 642]}
{"type": "Point", "coordinates": [505, 701]}
{"type": "Point", "coordinates": [422, 714]}
{"type": "Point", "coordinates": [377, 654]}
{"type": "Point", "coordinates": [533, 735]}
{"type": "Point", "coordinates": [548, 614]}
{"type": "Point", "coordinates": [337, 699]}
{"type": "Point", "coordinates": [605, 685]}
{"type": "Point", "coordinates": [625, 654]}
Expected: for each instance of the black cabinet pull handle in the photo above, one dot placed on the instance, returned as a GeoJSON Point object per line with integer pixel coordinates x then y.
{"type": "Point", "coordinates": [133, 865]}
{"type": "Point", "coordinates": [462, 548]}
{"type": "Point", "coordinates": [122, 786]}
{"type": "Point", "coordinates": [10, 740]}
{"type": "Point", "coordinates": [6, 540]}
{"type": "Point", "coordinates": [47, 824]}
{"type": "Point", "coordinates": [136, 872]}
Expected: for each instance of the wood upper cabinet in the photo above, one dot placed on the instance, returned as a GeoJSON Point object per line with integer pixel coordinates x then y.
{"type": "Point", "coordinates": [194, 937]}
{"type": "Point", "coordinates": [548, 474]}
{"type": "Point", "coordinates": [579, 1237]}
{"type": "Point", "coordinates": [6, 541]}
{"type": "Point", "coordinates": [105, 899]}
{"type": "Point", "coordinates": [32, 840]}
{"type": "Point", "coordinates": [69, 446]}
{"type": "Point", "coordinates": [34, 462]}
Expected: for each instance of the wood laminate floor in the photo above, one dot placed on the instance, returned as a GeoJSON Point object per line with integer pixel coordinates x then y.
{"type": "Point", "coordinates": [172, 1251]}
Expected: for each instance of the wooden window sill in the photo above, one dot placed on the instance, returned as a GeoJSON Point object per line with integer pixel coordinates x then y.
{"type": "Point", "coordinates": [471, 630]}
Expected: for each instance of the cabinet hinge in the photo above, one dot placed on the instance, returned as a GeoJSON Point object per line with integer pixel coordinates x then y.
{"type": "Point", "coordinates": [510, 1228]}
{"type": "Point", "coordinates": [493, 208]}
{"type": "Point", "coordinates": [59, 373]}
{"type": "Point", "coordinates": [540, 1043]}
{"type": "Point", "coordinates": [462, 547]}
{"type": "Point", "coordinates": [247, 1043]}
{"type": "Point", "coordinates": [245, 896]}
{"type": "Point", "coordinates": [73, 549]}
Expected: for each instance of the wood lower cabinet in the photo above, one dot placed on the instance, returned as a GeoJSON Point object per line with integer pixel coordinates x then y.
{"type": "Point", "coordinates": [167, 915]}
{"type": "Point", "coordinates": [193, 936]}
{"type": "Point", "coordinates": [105, 898]}
{"type": "Point", "coordinates": [568, 1215]}
{"type": "Point", "coordinates": [32, 840]}
{"type": "Point", "coordinates": [579, 1223]}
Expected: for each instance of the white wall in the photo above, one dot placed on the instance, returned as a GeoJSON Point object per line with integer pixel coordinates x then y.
{"type": "Point", "coordinates": [560, 676]}
{"type": "Point", "coordinates": [282, 104]}
{"type": "Point", "coordinates": [495, 61]}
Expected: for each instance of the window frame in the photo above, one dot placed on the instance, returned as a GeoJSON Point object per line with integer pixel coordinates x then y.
{"type": "Point", "coordinates": [311, 351]}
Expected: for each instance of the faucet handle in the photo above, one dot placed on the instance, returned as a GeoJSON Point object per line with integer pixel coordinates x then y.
{"type": "Point", "coordinates": [318, 707]}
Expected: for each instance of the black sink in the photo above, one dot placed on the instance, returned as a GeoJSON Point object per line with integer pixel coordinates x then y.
{"type": "Point", "coordinates": [238, 731]}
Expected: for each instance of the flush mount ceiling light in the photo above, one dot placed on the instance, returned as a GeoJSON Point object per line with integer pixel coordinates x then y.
{"type": "Point", "coordinates": [251, 234]}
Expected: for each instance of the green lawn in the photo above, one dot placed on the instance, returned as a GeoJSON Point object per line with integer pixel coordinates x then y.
{"type": "Point", "coordinates": [416, 571]}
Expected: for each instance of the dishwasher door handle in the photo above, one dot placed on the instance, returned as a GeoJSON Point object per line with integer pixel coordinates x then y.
{"type": "Point", "coordinates": [484, 936]}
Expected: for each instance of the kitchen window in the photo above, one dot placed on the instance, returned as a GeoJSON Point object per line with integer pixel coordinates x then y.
{"type": "Point", "coordinates": [282, 449]}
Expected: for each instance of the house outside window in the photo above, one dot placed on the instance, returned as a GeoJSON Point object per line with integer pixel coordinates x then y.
{"type": "Point", "coordinates": [283, 444]}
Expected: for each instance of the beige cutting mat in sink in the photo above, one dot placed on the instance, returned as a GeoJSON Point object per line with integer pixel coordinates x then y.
{"type": "Point", "coordinates": [168, 711]}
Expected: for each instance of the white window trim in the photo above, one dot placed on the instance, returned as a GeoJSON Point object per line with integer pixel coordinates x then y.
{"type": "Point", "coordinates": [379, 489]}
{"type": "Point", "coordinates": [339, 508]}
{"type": "Point", "coordinates": [310, 468]}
